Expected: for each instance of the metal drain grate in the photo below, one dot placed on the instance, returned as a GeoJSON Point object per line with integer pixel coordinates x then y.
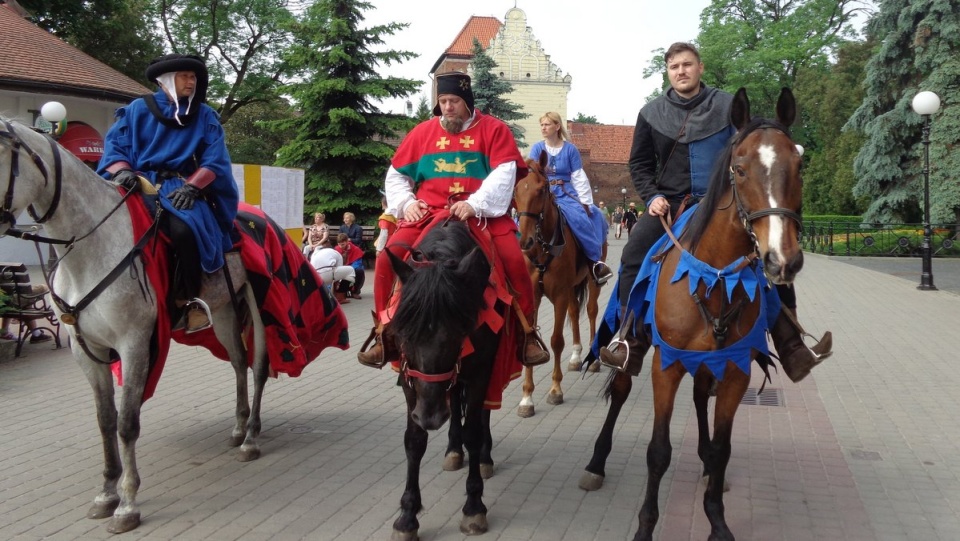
{"type": "Point", "coordinates": [769, 397]}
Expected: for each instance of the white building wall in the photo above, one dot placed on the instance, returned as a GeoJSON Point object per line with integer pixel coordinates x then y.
{"type": "Point", "coordinates": [538, 84]}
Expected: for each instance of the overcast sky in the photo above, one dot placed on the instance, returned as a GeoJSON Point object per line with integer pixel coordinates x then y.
{"type": "Point", "coordinates": [604, 45]}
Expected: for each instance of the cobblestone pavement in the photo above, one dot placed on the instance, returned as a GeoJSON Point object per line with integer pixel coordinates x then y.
{"type": "Point", "coordinates": [866, 448]}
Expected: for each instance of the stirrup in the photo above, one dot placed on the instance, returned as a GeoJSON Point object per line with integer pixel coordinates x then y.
{"type": "Point", "coordinates": [601, 279]}
{"type": "Point", "coordinates": [609, 355]}
{"type": "Point", "coordinates": [195, 304]}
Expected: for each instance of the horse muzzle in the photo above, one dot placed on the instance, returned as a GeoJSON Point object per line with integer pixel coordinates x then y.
{"type": "Point", "coordinates": [782, 270]}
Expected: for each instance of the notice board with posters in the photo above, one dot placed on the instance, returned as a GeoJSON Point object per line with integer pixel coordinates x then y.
{"type": "Point", "coordinates": [278, 191]}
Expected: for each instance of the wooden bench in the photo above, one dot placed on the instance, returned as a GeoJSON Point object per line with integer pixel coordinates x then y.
{"type": "Point", "coordinates": [26, 303]}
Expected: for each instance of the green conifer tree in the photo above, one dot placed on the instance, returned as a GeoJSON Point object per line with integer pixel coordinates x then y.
{"type": "Point", "coordinates": [340, 131]}
{"type": "Point", "coordinates": [919, 50]}
{"type": "Point", "coordinates": [489, 92]}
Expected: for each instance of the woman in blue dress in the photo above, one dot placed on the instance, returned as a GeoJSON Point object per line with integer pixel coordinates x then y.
{"type": "Point", "coordinates": [571, 187]}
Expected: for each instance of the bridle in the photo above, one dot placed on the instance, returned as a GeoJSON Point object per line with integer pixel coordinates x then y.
{"type": "Point", "coordinates": [410, 374]}
{"type": "Point", "coordinates": [18, 145]}
{"type": "Point", "coordinates": [549, 249]}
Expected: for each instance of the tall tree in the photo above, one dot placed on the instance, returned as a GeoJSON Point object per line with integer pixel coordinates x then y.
{"type": "Point", "coordinates": [424, 110]}
{"type": "Point", "coordinates": [114, 32]}
{"type": "Point", "coordinates": [489, 92]}
{"type": "Point", "coordinates": [340, 132]}
{"type": "Point", "coordinates": [248, 137]}
{"type": "Point", "coordinates": [242, 42]}
{"type": "Point", "coordinates": [919, 50]}
{"type": "Point", "coordinates": [585, 119]}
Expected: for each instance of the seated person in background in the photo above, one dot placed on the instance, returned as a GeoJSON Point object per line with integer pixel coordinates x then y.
{"type": "Point", "coordinates": [352, 229]}
{"type": "Point", "coordinates": [315, 234]}
{"type": "Point", "coordinates": [36, 335]}
{"type": "Point", "coordinates": [352, 256]}
{"type": "Point", "coordinates": [329, 265]}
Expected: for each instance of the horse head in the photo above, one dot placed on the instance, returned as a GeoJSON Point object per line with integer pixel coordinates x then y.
{"type": "Point", "coordinates": [32, 163]}
{"type": "Point", "coordinates": [532, 197]}
{"type": "Point", "coordinates": [440, 300]}
{"type": "Point", "coordinates": [767, 185]}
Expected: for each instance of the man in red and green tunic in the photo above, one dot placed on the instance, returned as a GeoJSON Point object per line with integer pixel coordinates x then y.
{"type": "Point", "coordinates": [464, 164]}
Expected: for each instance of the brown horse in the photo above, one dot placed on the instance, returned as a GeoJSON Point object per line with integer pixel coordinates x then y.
{"type": "Point", "coordinates": [558, 270]}
{"type": "Point", "coordinates": [747, 220]}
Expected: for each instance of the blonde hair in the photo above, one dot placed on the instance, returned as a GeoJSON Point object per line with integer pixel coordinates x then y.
{"type": "Point", "coordinates": [555, 118]}
{"type": "Point", "coordinates": [320, 215]}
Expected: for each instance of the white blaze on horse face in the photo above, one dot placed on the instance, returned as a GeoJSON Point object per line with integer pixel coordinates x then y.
{"type": "Point", "coordinates": [768, 157]}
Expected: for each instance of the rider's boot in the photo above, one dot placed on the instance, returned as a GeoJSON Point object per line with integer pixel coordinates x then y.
{"type": "Point", "coordinates": [375, 356]}
{"type": "Point", "coordinates": [214, 293]}
{"type": "Point", "coordinates": [626, 352]}
{"type": "Point", "coordinates": [198, 315]}
{"type": "Point", "coordinates": [796, 358]}
{"type": "Point", "coordinates": [601, 273]}
{"type": "Point", "coordinates": [534, 350]}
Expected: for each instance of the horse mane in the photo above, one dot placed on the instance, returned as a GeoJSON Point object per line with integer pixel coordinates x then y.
{"type": "Point", "coordinates": [720, 181]}
{"type": "Point", "coordinates": [437, 291]}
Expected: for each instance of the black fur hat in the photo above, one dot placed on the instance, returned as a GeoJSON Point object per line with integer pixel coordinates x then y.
{"type": "Point", "coordinates": [181, 62]}
{"type": "Point", "coordinates": [455, 83]}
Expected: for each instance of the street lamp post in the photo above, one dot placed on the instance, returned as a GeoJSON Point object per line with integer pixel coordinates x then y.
{"type": "Point", "coordinates": [56, 114]}
{"type": "Point", "coordinates": [925, 104]}
{"type": "Point", "coordinates": [623, 191]}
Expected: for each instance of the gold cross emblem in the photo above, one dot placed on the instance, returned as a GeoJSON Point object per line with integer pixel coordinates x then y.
{"type": "Point", "coordinates": [467, 141]}
{"type": "Point", "coordinates": [443, 143]}
{"type": "Point", "coordinates": [457, 188]}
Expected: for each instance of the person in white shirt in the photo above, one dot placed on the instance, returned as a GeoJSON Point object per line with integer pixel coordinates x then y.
{"type": "Point", "coordinates": [329, 265]}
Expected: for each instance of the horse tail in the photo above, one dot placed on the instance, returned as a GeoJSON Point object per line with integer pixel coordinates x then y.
{"type": "Point", "coordinates": [580, 292]}
{"type": "Point", "coordinates": [608, 386]}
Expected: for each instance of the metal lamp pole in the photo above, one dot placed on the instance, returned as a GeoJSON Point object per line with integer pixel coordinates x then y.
{"type": "Point", "coordinates": [56, 114]}
{"type": "Point", "coordinates": [623, 191]}
{"type": "Point", "coordinates": [925, 104]}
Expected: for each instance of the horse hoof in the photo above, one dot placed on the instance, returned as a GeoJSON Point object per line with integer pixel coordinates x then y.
{"type": "Point", "coordinates": [453, 461]}
{"type": "Point", "coordinates": [573, 367]}
{"type": "Point", "coordinates": [590, 481]}
{"type": "Point", "coordinates": [124, 523]}
{"type": "Point", "coordinates": [525, 412]}
{"type": "Point", "coordinates": [594, 367]}
{"type": "Point", "coordinates": [475, 525]}
{"type": "Point", "coordinates": [486, 471]}
{"type": "Point", "coordinates": [404, 536]}
{"type": "Point", "coordinates": [554, 399]}
{"type": "Point", "coordinates": [103, 510]}
{"type": "Point", "coordinates": [237, 441]}
{"type": "Point", "coordinates": [248, 453]}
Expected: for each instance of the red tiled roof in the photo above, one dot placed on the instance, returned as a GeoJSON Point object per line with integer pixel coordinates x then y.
{"type": "Point", "coordinates": [606, 143]}
{"type": "Point", "coordinates": [482, 28]}
{"type": "Point", "coordinates": [38, 61]}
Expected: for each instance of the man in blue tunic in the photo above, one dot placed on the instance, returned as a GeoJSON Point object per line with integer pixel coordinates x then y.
{"type": "Point", "coordinates": [175, 140]}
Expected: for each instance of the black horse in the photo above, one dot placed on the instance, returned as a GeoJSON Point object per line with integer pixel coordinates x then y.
{"type": "Point", "coordinates": [442, 295]}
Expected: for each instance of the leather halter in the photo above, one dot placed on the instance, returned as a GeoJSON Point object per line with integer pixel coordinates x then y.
{"type": "Point", "coordinates": [18, 145]}
{"type": "Point", "coordinates": [409, 373]}
{"type": "Point", "coordinates": [554, 247]}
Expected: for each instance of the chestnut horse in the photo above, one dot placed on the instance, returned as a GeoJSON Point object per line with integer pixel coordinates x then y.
{"type": "Point", "coordinates": [708, 301]}
{"type": "Point", "coordinates": [559, 271]}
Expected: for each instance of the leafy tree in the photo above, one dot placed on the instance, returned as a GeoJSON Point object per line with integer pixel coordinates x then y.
{"type": "Point", "coordinates": [250, 140]}
{"type": "Point", "coordinates": [584, 119]}
{"type": "Point", "coordinates": [424, 110]}
{"type": "Point", "coordinates": [825, 102]}
{"type": "Point", "coordinates": [114, 32]}
{"type": "Point", "coordinates": [489, 92]}
{"type": "Point", "coordinates": [242, 42]}
{"type": "Point", "coordinates": [340, 132]}
{"type": "Point", "coordinates": [919, 41]}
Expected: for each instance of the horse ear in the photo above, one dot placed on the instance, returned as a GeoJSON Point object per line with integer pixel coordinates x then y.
{"type": "Point", "coordinates": [543, 160]}
{"type": "Point", "coordinates": [474, 266]}
{"type": "Point", "coordinates": [786, 107]}
{"type": "Point", "coordinates": [740, 109]}
{"type": "Point", "coordinates": [400, 267]}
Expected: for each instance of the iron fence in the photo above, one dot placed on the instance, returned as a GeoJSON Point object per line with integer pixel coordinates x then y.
{"type": "Point", "coordinates": [878, 240]}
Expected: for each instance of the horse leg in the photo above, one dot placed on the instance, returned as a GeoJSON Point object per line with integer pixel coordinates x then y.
{"type": "Point", "coordinates": [453, 458]}
{"type": "Point", "coordinates": [526, 409]}
{"type": "Point", "coordinates": [729, 394]}
{"type": "Point", "coordinates": [406, 527]}
{"type": "Point", "coordinates": [126, 517]}
{"type": "Point", "coordinates": [101, 381]}
{"type": "Point", "coordinates": [618, 390]}
{"type": "Point", "coordinates": [486, 447]}
{"type": "Point", "coordinates": [555, 395]}
{"type": "Point", "coordinates": [238, 360]}
{"type": "Point", "coordinates": [593, 308]}
{"type": "Point", "coordinates": [250, 449]}
{"type": "Point", "coordinates": [474, 520]}
{"type": "Point", "coordinates": [573, 312]}
{"type": "Point", "coordinates": [659, 451]}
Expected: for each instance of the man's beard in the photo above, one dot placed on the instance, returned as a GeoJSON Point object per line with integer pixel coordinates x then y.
{"type": "Point", "coordinates": [452, 125]}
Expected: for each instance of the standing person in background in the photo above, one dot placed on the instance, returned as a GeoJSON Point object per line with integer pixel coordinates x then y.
{"type": "Point", "coordinates": [352, 256]}
{"type": "Point", "coordinates": [571, 189]}
{"type": "Point", "coordinates": [350, 228]}
{"type": "Point", "coordinates": [606, 213]}
{"type": "Point", "coordinates": [175, 140]}
{"type": "Point", "coordinates": [419, 190]}
{"type": "Point", "coordinates": [316, 234]}
{"type": "Point", "coordinates": [630, 218]}
{"type": "Point", "coordinates": [617, 220]}
{"type": "Point", "coordinates": [676, 142]}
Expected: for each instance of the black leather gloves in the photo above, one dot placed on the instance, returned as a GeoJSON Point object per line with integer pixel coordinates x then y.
{"type": "Point", "coordinates": [184, 197]}
{"type": "Point", "coordinates": [127, 178]}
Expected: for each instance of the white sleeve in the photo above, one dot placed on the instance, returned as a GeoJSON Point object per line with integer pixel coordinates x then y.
{"type": "Point", "coordinates": [493, 198]}
{"type": "Point", "coordinates": [582, 184]}
{"type": "Point", "coordinates": [399, 190]}
{"type": "Point", "coordinates": [381, 241]}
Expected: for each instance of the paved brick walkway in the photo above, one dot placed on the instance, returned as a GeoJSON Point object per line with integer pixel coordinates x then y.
{"type": "Point", "coordinates": [867, 448]}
